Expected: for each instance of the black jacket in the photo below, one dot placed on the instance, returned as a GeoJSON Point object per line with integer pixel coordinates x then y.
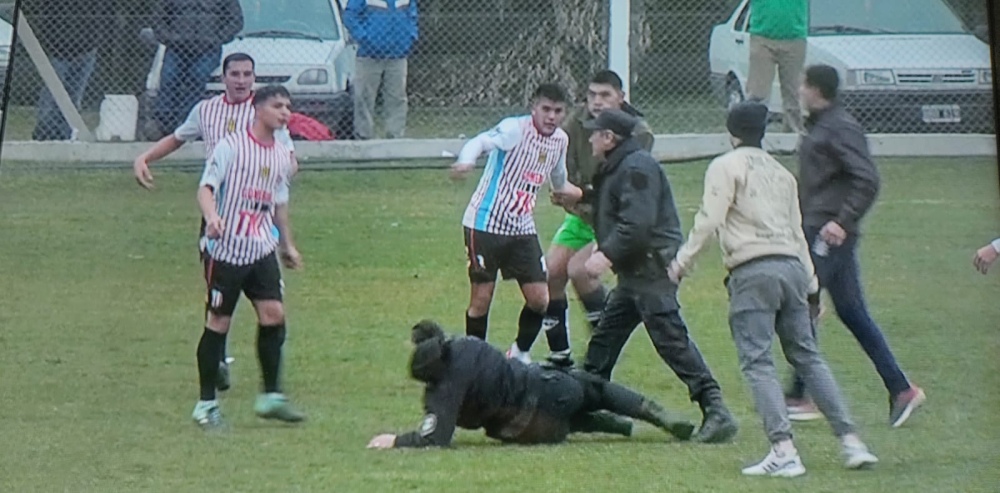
{"type": "Point", "coordinates": [837, 179]}
{"type": "Point", "coordinates": [635, 218]}
{"type": "Point", "coordinates": [68, 28]}
{"type": "Point", "coordinates": [481, 388]}
{"type": "Point", "coordinates": [197, 26]}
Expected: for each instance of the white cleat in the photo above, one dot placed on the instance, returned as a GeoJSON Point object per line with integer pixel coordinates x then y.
{"type": "Point", "coordinates": [778, 465]}
{"type": "Point", "coordinates": [515, 353]}
{"type": "Point", "coordinates": [858, 457]}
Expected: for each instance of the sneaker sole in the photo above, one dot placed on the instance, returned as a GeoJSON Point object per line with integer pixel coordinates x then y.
{"type": "Point", "coordinates": [861, 462]}
{"type": "Point", "coordinates": [804, 416]}
{"type": "Point", "coordinates": [908, 410]}
{"type": "Point", "coordinates": [790, 472]}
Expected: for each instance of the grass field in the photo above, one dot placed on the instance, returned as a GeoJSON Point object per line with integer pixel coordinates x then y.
{"type": "Point", "coordinates": [100, 309]}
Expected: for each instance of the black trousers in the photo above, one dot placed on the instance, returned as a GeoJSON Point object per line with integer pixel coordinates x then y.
{"type": "Point", "coordinates": [654, 303]}
{"type": "Point", "coordinates": [568, 400]}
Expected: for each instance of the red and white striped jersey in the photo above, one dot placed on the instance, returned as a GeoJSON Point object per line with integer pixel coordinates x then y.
{"type": "Point", "coordinates": [249, 179]}
{"type": "Point", "coordinates": [214, 118]}
{"type": "Point", "coordinates": [519, 161]}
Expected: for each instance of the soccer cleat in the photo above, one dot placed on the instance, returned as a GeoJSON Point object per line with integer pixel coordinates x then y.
{"type": "Point", "coordinates": [802, 410]}
{"type": "Point", "coordinates": [561, 359]}
{"type": "Point", "coordinates": [903, 405]}
{"type": "Point", "coordinates": [515, 353]}
{"type": "Point", "coordinates": [207, 415]}
{"type": "Point", "coordinates": [222, 382]}
{"type": "Point", "coordinates": [857, 456]}
{"type": "Point", "coordinates": [778, 464]}
{"type": "Point", "coordinates": [276, 406]}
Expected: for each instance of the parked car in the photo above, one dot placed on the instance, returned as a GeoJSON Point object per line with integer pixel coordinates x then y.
{"type": "Point", "coordinates": [6, 39]}
{"type": "Point", "coordinates": [301, 44]}
{"type": "Point", "coordinates": [905, 65]}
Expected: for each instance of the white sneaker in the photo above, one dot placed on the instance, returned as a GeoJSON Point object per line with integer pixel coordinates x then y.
{"type": "Point", "coordinates": [515, 353]}
{"type": "Point", "coordinates": [206, 414]}
{"type": "Point", "coordinates": [778, 464]}
{"type": "Point", "coordinates": [857, 456]}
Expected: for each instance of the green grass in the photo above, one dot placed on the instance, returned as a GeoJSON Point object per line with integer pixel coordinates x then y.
{"type": "Point", "coordinates": [100, 309]}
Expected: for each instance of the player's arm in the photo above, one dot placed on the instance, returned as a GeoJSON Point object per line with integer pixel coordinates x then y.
{"type": "Point", "coordinates": [441, 404]}
{"type": "Point", "coordinates": [636, 216]}
{"type": "Point", "coordinates": [851, 147]}
{"type": "Point", "coordinates": [211, 179]}
{"type": "Point", "coordinates": [504, 136]}
{"type": "Point", "coordinates": [189, 130]}
{"type": "Point", "coordinates": [285, 137]}
{"type": "Point", "coordinates": [566, 193]}
{"type": "Point", "coordinates": [289, 253]}
{"type": "Point", "coordinates": [717, 198]}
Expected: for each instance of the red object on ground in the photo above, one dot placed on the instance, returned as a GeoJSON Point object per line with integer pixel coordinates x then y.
{"type": "Point", "coordinates": [307, 128]}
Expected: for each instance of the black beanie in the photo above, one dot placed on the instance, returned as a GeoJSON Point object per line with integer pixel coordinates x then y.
{"type": "Point", "coordinates": [747, 121]}
{"type": "Point", "coordinates": [429, 361]}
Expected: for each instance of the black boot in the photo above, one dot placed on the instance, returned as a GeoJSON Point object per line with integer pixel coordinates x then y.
{"type": "Point", "coordinates": [602, 422]}
{"type": "Point", "coordinates": [718, 425]}
{"type": "Point", "coordinates": [652, 412]}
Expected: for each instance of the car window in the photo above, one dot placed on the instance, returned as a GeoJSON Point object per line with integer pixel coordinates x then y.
{"type": "Point", "coordinates": [882, 16]}
{"type": "Point", "coordinates": [310, 17]}
{"type": "Point", "coordinates": [741, 21]}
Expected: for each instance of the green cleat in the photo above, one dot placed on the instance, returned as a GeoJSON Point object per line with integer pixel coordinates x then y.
{"type": "Point", "coordinates": [276, 406]}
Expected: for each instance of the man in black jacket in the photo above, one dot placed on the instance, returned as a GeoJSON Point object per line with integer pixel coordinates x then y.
{"type": "Point", "coordinates": [638, 233]}
{"type": "Point", "coordinates": [193, 32]}
{"type": "Point", "coordinates": [470, 384]}
{"type": "Point", "coordinates": [838, 184]}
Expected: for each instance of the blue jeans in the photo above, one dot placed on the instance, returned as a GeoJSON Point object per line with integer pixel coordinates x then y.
{"type": "Point", "coordinates": [74, 73]}
{"type": "Point", "coordinates": [182, 84]}
{"type": "Point", "coordinates": [840, 275]}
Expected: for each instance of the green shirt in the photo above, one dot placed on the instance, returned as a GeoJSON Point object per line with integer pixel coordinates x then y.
{"type": "Point", "coordinates": [779, 19]}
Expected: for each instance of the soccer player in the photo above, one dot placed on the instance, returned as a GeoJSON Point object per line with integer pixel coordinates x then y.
{"type": "Point", "coordinates": [470, 384]}
{"type": "Point", "coordinates": [211, 121]}
{"type": "Point", "coordinates": [751, 204]}
{"type": "Point", "coordinates": [838, 183]}
{"type": "Point", "coordinates": [499, 223]}
{"type": "Point", "coordinates": [574, 240]}
{"type": "Point", "coordinates": [243, 194]}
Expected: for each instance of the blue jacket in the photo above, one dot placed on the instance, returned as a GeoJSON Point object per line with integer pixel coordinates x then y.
{"type": "Point", "coordinates": [382, 28]}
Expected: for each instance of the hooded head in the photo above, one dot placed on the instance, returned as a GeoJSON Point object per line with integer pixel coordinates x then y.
{"type": "Point", "coordinates": [746, 122]}
{"type": "Point", "coordinates": [430, 360]}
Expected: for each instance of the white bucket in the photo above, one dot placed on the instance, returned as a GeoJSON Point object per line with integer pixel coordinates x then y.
{"type": "Point", "coordinates": [119, 115]}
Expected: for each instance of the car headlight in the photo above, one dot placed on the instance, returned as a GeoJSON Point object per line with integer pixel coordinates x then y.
{"type": "Point", "coordinates": [313, 77]}
{"type": "Point", "coordinates": [873, 77]}
{"type": "Point", "coordinates": [986, 77]}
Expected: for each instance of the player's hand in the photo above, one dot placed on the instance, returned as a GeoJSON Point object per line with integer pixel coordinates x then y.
{"type": "Point", "coordinates": [291, 257]}
{"type": "Point", "coordinates": [567, 196]}
{"type": "Point", "coordinates": [833, 234]}
{"type": "Point", "coordinates": [674, 272]}
{"type": "Point", "coordinates": [213, 227]}
{"type": "Point", "coordinates": [984, 258]}
{"type": "Point", "coordinates": [460, 170]}
{"type": "Point", "coordinates": [384, 441]}
{"type": "Point", "coordinates": [597, 264]}
{"type": "Point", "coordinates": [140, 168]}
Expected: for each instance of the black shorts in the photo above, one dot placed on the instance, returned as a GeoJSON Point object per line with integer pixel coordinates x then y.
{"type": "Point", "coordinates": [515, 257]}
{"type": "Point", "coordinates": [260, 281]}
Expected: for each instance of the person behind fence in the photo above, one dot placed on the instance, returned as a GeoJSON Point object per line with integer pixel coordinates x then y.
{"type": "Point", "coordinates": [386, 31]}
{"type": "Point", "coordinates": [499, 221]}
{"type": "Point", "coordinates": [193, 32]}
{"type": "Point", "coordinates": [243, 194]}
{"type": "Point", "coordinates": [986, 255]}
{"type": "Point", "coordinates": [778, 30]}
{"type": "Point", "coordinates": [638, 230]}
{"type": "Point", "coordinates": [69, 32]}
{"type": "Point", "coordinates": [838, 183]}
{"type": "Point", "coordinates": [470, 384]}
{"type": "Point", "coordinates": [750, 203]}
{"type": "Point", "coordinates": [574, 240]}
{"type": "Point", "coordinates": [211, 120]}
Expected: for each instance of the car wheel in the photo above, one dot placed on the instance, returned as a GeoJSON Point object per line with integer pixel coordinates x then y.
{"type": "Point", "coordinates": [734, 93]}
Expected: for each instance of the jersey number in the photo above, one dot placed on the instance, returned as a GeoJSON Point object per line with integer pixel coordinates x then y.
{"type": "Point", "coordinates": [249, 224]}
{"type": "Point", "coordinates": [524, 203]}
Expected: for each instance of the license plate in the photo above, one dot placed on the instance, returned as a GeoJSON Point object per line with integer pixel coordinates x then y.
{"type": "Point", "coordinates": [941, 113]}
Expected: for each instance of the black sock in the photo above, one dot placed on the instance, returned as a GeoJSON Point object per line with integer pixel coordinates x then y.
{"type": "Point", "coordinates": [593, 304]}
{"type": "Point", "coordinates": [476, 326]}
{"type": "Point", "coordinates": [270, 338]}
{"type": "Point", "coordinates": [208, 362]}
{"type": "Point", "coordinates": [556, 330]}
{"type": "Point", "coordinates": [223, 347]}
{"type": "Point", "coordinates": [529, 324]}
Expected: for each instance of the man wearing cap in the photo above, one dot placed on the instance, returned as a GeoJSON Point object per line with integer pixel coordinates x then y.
{"type": "Point", "coordinates": [751, 202]}
{"type": "Point", "coordinates": [638, 232]}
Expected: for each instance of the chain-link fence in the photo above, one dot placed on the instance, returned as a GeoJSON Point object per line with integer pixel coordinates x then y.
{"type": "Point", "coordinates": [907, 65]}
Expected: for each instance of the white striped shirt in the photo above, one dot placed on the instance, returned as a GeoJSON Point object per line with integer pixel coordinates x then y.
{"type": "Point", "coordinates": [519, 161]}
{"type": "Point", "coordinates": [248, 179]}
{"type": "Point", "coordinates": [214, 118]}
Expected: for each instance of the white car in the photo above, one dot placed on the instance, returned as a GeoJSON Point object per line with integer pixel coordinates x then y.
{"type": "Point", "coordinates": [905, 65]}
{"type": "Point", "coordinates": [300, 44]}
{"type": "Point", "coordinates": [6, 39]}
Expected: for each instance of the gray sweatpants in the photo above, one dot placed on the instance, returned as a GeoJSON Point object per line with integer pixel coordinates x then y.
{"type": "Point", "coordinates": [768, 296]}
{"type": "Point", "coordinates": [369, 75]}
